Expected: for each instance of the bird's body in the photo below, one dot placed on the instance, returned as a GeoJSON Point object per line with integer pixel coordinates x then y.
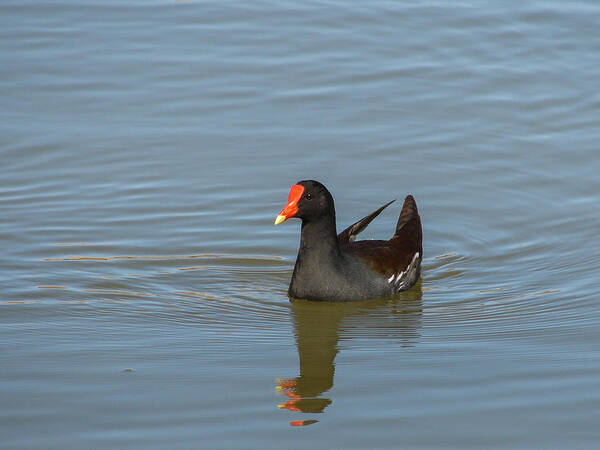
{"type": "Point", "coordinates": [334, 267]}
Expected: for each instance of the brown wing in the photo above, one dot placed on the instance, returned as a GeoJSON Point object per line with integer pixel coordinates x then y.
{"type": "Point", "coordinates": [393, 256]}
{"type": "Point", "coordinates": [350, 233]}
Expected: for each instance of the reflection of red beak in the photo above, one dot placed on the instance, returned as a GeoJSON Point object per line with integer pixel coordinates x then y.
{"type": "Point", "coordinates": [286, 383]}
{"type": "Point", "coordinates": [291, 208]}
{"type": "Point", "coordinates": [286, 387]}
{"type": "Point", "coordinates": [302, 423]}
{"type": "Point", "coordinates": [290, 405]}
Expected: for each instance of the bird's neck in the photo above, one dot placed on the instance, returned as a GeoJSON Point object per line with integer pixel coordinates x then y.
{"type": "Point", "coordinates": [319, 240]}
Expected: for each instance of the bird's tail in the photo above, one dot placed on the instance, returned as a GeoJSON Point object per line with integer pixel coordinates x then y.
{"type": "Point", "coordinates": [409, 214]}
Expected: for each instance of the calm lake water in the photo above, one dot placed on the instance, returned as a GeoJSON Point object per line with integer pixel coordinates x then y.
{"type": "Point", "coordinates": [146, 147]}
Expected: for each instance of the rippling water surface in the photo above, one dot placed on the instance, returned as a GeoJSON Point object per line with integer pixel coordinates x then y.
{"type": "Point", "coordinates": [146, 148]}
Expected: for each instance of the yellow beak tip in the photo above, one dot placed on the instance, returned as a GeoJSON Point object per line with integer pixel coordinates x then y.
{"type": "Point", "coordinates": [280, 218]}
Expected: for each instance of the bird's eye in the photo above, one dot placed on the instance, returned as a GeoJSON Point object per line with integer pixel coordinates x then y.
{"type": "Point", "coordinates": [308, 196]}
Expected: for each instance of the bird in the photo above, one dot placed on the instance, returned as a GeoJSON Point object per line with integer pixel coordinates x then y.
{"type": "Point", "coordinates": [338, 268]}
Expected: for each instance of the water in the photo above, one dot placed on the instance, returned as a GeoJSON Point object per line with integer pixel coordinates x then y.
{"type": "Point", "coordinates": [146, 148]}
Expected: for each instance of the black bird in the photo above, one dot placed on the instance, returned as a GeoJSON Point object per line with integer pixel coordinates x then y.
{"type": "Point", "coordinates": [335, 267]}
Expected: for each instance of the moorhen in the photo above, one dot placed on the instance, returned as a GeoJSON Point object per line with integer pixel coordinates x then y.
{"type": "Point", "coordinates": [333, 267]}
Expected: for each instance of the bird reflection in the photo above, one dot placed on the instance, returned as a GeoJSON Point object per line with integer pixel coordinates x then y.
{"type": "Point", "coordinates": [318, 326]}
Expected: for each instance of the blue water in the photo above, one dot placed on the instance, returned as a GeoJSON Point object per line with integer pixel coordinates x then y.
{"type": "Point", "coordinates": [146, 148]}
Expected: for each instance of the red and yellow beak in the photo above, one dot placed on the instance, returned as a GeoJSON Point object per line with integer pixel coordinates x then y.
{"type": "Point", "coordinates": [291, 208]}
